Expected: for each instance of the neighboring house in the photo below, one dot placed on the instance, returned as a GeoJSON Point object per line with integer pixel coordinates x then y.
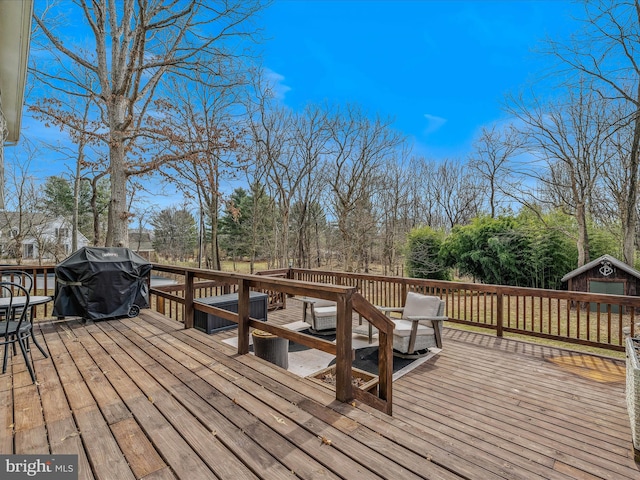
{"type": "Point", "coordinates": [36, 236]}
{"type": "Point", "coordinates": [15, 37]}
{"type": "Point", "coordinates": [142, 244]}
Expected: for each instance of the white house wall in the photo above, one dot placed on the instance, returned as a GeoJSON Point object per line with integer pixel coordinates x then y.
{"type": "Point", "coordinates": [49, 235]}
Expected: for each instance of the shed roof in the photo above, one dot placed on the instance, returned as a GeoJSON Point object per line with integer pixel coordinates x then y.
{"type": "Point", "coordinates": [598, 261]}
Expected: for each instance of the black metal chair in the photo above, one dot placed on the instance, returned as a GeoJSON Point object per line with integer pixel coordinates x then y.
{"type": "Point", "coordinates": [19, 277]}
{"type": "Point", "coordinates": [25, 279]}
{"type": "Point", "coordinates": [15, 326]}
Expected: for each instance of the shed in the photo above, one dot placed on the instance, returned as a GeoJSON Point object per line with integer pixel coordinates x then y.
{"type": "Point", "coordinates": [605, 274]}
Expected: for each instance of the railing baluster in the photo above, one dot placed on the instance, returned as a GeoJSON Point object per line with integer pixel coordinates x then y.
{"type": "Point", "coordinates": [188, 300]}
{"type": "Point", "coordinates": [499, 314]}
{"type": "Point", "coordinates": [578, 322]}
{"type": "Point", "coordinates": [608, 323]}
{"type": "Point", "coordinates": [243, 317]}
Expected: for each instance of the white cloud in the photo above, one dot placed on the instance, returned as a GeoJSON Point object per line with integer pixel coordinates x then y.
{"type": "Point", "coordinates": [433, 123]}
{"type": "Point", "coordinates": [275, 81]}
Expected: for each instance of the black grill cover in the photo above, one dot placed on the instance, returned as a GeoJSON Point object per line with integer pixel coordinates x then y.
{"type": "Point", "coordinates": [101, 282]}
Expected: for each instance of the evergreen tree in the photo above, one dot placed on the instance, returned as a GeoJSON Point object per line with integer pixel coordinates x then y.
{"type": "Point", "coordinates": [235, 227]}
{"type": "Point", "coordinates": [175, 233]}
{"type": "Point", "coordinates": [58, 201]}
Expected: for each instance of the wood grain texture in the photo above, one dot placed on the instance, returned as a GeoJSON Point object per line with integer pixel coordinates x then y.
{"type": "Point", "coordinates": [144, 398]}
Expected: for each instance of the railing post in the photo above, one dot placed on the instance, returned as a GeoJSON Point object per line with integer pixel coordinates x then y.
{"type": "Point", "coordinates": [385, 369]}
{"type": "Point", "coordinates": [344, 354]}
{"type": "Point", "coordinates": [160, 304]}
{"type": "Point", "coordinates": [243, 317]}
{"type": "Point", "coordinates": [188, 299]}
{"type": "Point", "coordinates": [499, 314]}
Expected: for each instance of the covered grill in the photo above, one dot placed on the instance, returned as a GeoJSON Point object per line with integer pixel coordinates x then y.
{"type": "Point", "coordinates": [102, 282]}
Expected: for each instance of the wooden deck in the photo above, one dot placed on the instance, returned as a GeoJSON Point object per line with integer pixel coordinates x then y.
{"type": "Point", "coordinates": [144, 398]}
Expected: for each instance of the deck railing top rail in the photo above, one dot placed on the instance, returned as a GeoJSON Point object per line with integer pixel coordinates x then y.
{"type": "Point", "coordinates": [294, 287]}
{"type": "Point", "coordinates": [633, 301]}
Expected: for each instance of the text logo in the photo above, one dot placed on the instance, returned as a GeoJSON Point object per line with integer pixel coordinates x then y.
{"type": "Point", "coordinates": [50, 467]}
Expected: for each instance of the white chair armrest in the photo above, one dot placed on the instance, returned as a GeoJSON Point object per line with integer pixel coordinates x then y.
{"type": "Point", "coordinates": [389, 310]}
{"type": "Point", "coordinates": [319, 302]}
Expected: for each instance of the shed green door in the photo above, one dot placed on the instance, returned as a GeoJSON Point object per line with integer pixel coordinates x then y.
{"type": "Point", "coordinates": [611, 288]}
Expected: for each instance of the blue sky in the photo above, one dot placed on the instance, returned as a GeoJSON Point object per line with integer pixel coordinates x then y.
{"type": "Point", "coordinates": [441, 69]}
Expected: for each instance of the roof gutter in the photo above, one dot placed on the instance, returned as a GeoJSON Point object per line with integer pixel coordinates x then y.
{"type": "Point", "coordinates": [15, 40]}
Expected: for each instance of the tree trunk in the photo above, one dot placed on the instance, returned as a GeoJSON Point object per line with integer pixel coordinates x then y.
{"type": "Point", "coordinates": [95, 212]}
{"type": "Point", "coordinates": [118, 217]}
{"type": "Point", "coordinates": [631, 214]}
{"type": "Point", "coordinates": [284, 256]}
{"type": "Point", "coordinates": [302, 238]}
{"type": "Point", "coordinates": [213, 239]}
{"type": "Point", "coordinates": [583, 235]}
{"type": "Point", "coordinates": [76, 203]}
{"type": "Point", "coordinates": [254, 229]}
{"type": "Point", "coordinates": [318, 253]}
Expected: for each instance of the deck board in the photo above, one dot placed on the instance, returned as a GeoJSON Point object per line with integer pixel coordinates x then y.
{"type": "Point", "coordinates": [143, 398]}
{"type": "Point", "coordinates": [289, 437]}
{"type": "Point", "coordinates": [176, 434]}
{"type": "Point", "coordinates": [289, 386]}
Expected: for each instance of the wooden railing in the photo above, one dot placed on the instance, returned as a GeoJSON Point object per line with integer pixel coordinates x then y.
{"type": "Point", "coordinates": [177, 301]}
{"type": "Point", "coordinates": [591, 319]}
{"type": "Point", "coordinates": [597, 320]}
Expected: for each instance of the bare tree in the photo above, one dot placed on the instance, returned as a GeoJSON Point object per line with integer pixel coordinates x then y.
{"type": "Point", "coordinates": [143, 216]}
{"type": "Point", "coordinates": [568, 141]}
{"type": "Point", "coordinates": [494, 149]}
{"type": "Point", "coordinates": [455, 191]}
{"type": "Point", "coordinates": [73, 113]}
{"type": "Point", "coordinates": [612, 192]}
{"type": "Point", "coordinates": [418, 212]}
{"type": "Point", "coordinates": [272, 131]}
{"type": "Point", "coordinates": [203, 130]}
{"type": "Point", "coordinates": [77, 179]}
{"type": "Point", "coordinates": [133, 46]}
{"type": "Point", "coordinates": [393, 207]}
{"type": "Point", "coordinates": [607, 51]}
{"type": "Point", "coordinates": [309, 141]}
{"type": "Point", "coordinates": [359, 147]}
{"type": "Point", "coordinates": [98, 205]}
{"type": "Point", "coordinates": [18, 220]}
{"type": "Point", "coordinates": [443, 194]}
